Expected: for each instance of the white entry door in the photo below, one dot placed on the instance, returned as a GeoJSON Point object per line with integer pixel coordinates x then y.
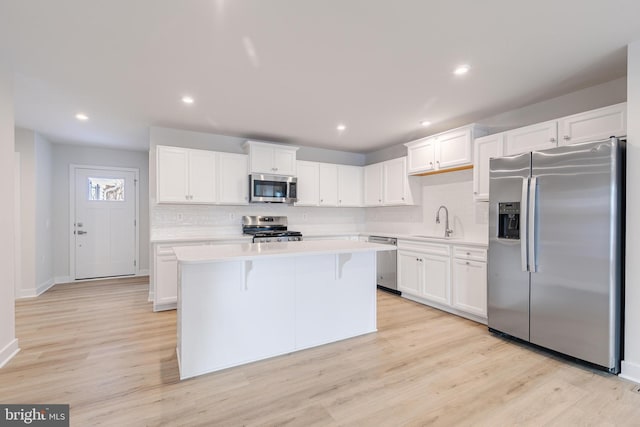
{"type": "Point", "coordinates": [104, 227]}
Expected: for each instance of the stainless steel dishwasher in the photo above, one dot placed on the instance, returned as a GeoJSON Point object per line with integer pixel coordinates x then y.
{"type": "Point", "coordinates": [386, 274]}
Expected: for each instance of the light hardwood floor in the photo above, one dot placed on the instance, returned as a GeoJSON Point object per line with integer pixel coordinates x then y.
{"type": "Point", "coordinates": [98, 347]}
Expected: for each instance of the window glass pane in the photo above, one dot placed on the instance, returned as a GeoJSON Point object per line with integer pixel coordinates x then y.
{"type": "Point", "coordinates": [111, 189]}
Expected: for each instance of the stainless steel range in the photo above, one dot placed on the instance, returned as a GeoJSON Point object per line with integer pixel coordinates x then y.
{"type": "Point", "coordinates": [269, 229]}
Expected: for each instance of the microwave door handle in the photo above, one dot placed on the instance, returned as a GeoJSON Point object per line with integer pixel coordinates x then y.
{"type": "Point", "coordinates": [523, 224]}
{"type": "Point", "coordinates": [533, 193]}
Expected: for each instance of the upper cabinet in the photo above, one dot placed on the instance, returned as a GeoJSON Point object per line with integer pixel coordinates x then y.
{"type": "Point", "coordinates": [233, 179]}
{"type": "Point", "coordinates": [535, 137]}
{"type": "Point", "coordinates": [583, 127]}
{"type": "Point", "coordinates": [185, 175]}
{"type": "Point", "coordinates": [271, 159]}
{"type": "Point", "coordinates": [485, 148]}
{"type": "Point", "coordinates": [308, 183]}
{"type": "Point", "coordinates": [593, 125]}
{"type": "Point", "coordinates": [387, 184]}
{"type": "Point", "coordinates": [447, 150]}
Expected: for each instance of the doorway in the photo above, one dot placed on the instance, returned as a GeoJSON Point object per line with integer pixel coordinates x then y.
{"type": "Point", "coordinates": [103, 222]}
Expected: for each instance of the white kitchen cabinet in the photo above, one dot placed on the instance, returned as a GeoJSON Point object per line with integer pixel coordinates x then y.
{"type": "Point", "coordinates": [530, 138]}
{"type": "Point", "coordinates": [163, 282]}
{"type": "Point", "coordinates": [328, 184]}
{"type": "Point", "coordinates": [308, 183]}
{"type": "Point", "coordinates": [593, 125]}
{"type": "Point", "coordinates": [233, 179]}
{"type": "Point", "coordinates": [469, 280]}
{"type": "Point", "coordinates": [421, 155]}
{"type": "Point", "coordinates": [350, 186]}
{"type": "Point", "coordinates": [271, 159]}
{"type": "Point", "coordinates": [340, 185]}
{"type": "Point", "coordinates": [373, 183]}
{"type": "Point", "coordinates": [424, 271]}
{"type": "Point", "coordinates": [455, 148]}
{"type": "Point", "coordinates": [398, 188]}
{"type": "Point", "coordinates": [186, 175]}
{"type": "Point", "coordinates": [445, 150]}
{"type": "Point", "coordinates": [485, 148]}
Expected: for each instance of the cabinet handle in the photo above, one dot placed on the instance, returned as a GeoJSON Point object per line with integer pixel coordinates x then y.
{"type": "Point", "coordinates": [380, 200]}
{"type": "Point", "coordinates": [468, 253]}
{"type": "Point", "coordinates": [475, 192]}
{"type": "Point", "coordinates": [403, 198]}
{"type": "Point", "coordinates": [431, 163]}
{"type": "Point", "coordinates": [339, 201]}
{"type": "Point", "coordinates": [467, 262]}
{"type": "Point", "coordinates": [552, 140]}
{"type": "Point", "coordinates": [567, 137]}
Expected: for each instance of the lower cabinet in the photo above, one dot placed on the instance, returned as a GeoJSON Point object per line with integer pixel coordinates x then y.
{"type": "Point", "coordinates": [449, 277]}
{"type": "Point", "coordinates": [163, 284]}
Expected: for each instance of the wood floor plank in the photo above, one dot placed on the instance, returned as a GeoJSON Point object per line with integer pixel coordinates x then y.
{"type": "Point", "coordinates": [98, 347]}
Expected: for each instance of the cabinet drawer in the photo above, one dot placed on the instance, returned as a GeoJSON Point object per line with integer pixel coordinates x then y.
{"type": "Point", "coordinates": [427, 248]}
{"type": "Point", "coordinates": [470, 253]}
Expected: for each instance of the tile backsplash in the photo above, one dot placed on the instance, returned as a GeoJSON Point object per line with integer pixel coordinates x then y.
{"type": "Point", "coordinates": [467, 218]}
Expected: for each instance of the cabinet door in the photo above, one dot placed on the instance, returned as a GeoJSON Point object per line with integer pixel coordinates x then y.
{"type": "Point", "coordinates": [349, 185]}
{"type": "Point", "coordinates": [395, 181]}
{"type": "Point", "coordinates": [436, 270]}
{"type": "Point", "coordinates": [593, 125]}
{"type": "Point", "coordinates": [470, 286]}
{"type": "Point", "coordinates": [308, 183]}
{"type": "Point", "coordinates": [166, 282]}
{"type": "Point", "coordinates": [233, 178]}
{"type": "Point", "coordinates": [421, 156]}
{"type": "Point", "coordinates": [172, 174]}
{"type": "Point", "coordinates": [373, 184]}
{"type": "Point", "coordinates": [410, 272]}
{"type": "Point", "coordinates": [328, 184]}
{"type": "Point", "coordinates": [485, 148]}
{"type": "Point", "coordinates": [535, 137]}
{"type": "Point", "coordinates": [261, 159]}
{"type": "Point", "coordinates": [202, 176]}
{"type": "Point", "coordinates": [454, 148]}
{"type": "Point", "coordinates": [284, 161]}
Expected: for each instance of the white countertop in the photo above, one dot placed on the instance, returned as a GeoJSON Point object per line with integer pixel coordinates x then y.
{"type": "Point", "coordinates": [247, 251]}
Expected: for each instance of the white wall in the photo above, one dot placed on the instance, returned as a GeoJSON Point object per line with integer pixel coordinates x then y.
{"type": "Point", "coordinates": [631, 363]}
{"type": "Point", "coordinates": [65, 155]}
{"type": "Point", "coordinates": [454, 190]}
{"type": "Point", "coordinates": [25, 145]}
{"type": "Point", "coordinates": [44, 214]}
{"type": "Point", "coordinates": [36, 234]}
{"type": "Point", "coordinates": [8, 342]}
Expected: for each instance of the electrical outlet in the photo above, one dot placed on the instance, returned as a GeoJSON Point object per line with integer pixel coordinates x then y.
{"type": "Point", "coordinates": [180, 217]}
{"type": "Point", "coordinates": [304, 216]}
{"type": "Point", "coordinates": [232, 216]}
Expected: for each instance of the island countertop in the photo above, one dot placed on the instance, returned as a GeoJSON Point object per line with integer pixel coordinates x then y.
{"type": "Point", "coordinates": [247, 251]}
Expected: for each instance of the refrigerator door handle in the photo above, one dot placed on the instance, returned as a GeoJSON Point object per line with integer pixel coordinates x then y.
{"type": "Point", "coordinates": [533, 192]}
{"type": "Point", "coordinates": [524, 214]}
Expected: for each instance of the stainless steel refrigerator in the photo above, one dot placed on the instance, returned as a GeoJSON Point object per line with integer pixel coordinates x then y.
{"type": "Point", "coordinates": [555, 261]}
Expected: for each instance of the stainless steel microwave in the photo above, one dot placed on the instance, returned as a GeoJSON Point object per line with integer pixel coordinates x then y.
{"type": "Point", "coordinates": [272, 188]}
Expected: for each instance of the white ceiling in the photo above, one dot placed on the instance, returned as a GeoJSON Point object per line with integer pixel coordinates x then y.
{"type": "Point", "coordinates": [292, 70]}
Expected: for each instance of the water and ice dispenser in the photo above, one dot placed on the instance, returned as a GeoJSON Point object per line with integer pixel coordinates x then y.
{"type": "Point", "coordinates": [509, 220]}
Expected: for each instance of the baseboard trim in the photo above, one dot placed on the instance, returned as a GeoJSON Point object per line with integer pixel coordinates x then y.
{"type": "Point", "coordinates": [630, 371]}
{"type": "Point", "coordinates": [8, 352]}
{"type": "Point", "coordinates": [152, 296]}
{"type": "Point", "coordinates": [32, 293]}
{"type": "Point", "coordinates": [63, 279]}
{"type": "Point", "coordinates": [165, 306]}
{"type": "Point", "coordinates": [144, 272]}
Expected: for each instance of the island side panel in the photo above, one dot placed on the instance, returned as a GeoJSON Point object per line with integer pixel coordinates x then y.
{"type": "Point", "coordinates": [234, 312]}
{"type": "Point", "coordinates": [335, 297]}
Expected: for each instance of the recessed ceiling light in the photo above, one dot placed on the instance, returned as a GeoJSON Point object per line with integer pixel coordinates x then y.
{"type": "Point", "coordinates": [187, 100]}
{"type": "Point", "coordinates": [82, 116]}
{"type": "Point", "coordinates": [341, 127]}
{"type": "Point", "coordinates": [462, 69]}
{"type": "Point", "coordinates": [425, 123]}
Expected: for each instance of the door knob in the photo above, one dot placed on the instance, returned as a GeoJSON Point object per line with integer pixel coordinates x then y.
{"type": "Point", "coordinates": [82, 232]}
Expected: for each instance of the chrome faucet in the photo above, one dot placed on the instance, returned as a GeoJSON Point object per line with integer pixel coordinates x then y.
{"type": "Point", "coordinates": [447, 230]}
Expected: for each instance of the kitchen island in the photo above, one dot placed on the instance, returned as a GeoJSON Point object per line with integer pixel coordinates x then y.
{"type": "Point", "coordinates": [245, 302]}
